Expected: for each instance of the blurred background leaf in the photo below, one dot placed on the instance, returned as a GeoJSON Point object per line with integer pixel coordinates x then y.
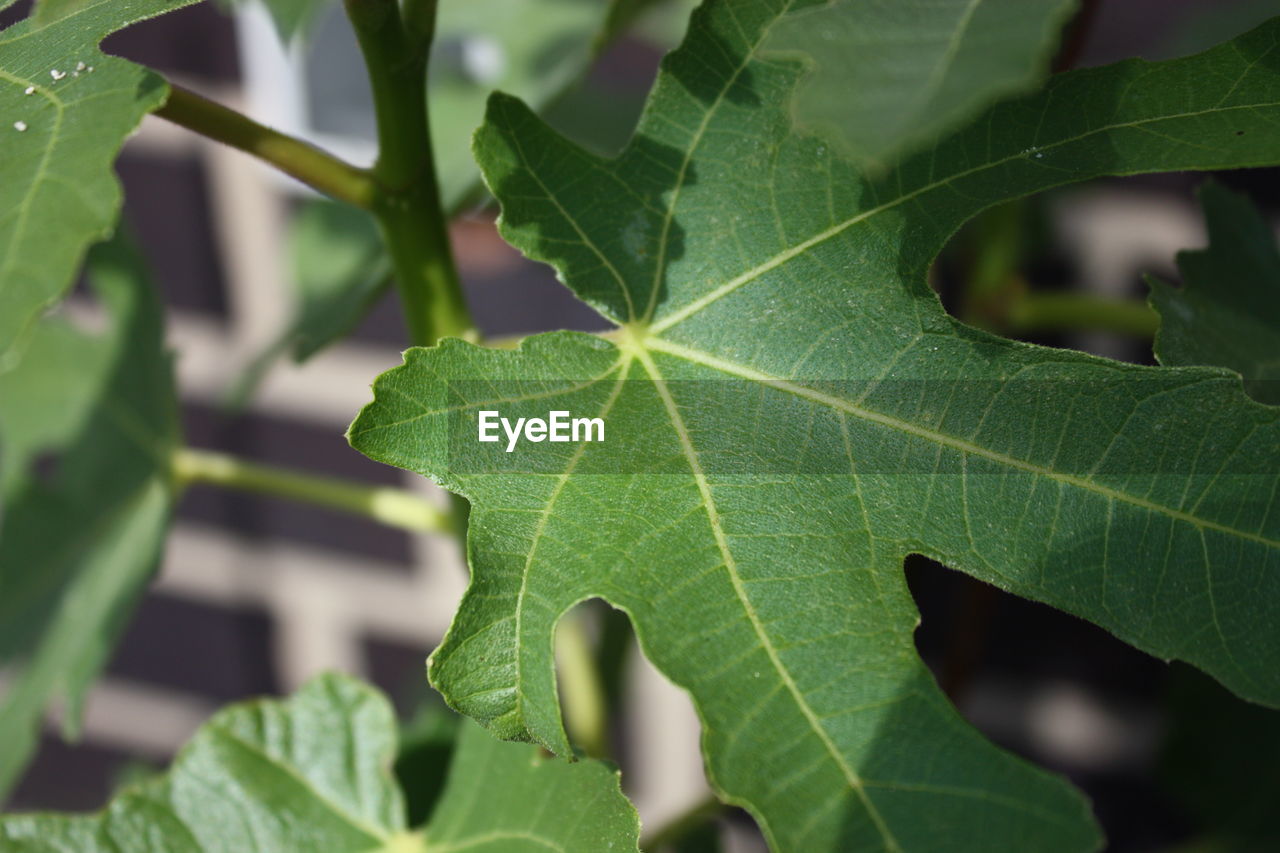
{"type": "Point", "coordinates": [1227, 313]}
{"type": "Point", "coordinates": [888, 75]}
{"type": "Point", "coordinates": [78, 544]}
{"type": "Point", "coordinates": [338, 270]}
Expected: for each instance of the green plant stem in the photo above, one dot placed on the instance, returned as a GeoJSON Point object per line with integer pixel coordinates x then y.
{"type": "Point", "coordinates": [693, 818]}
{"type": "Point", "coordinates": [407, 203]}
{"type": "Point", "coordinates": [585, 705]}
{"type": "Point", "coordinates": [315, 168]}
{"type": "Point", "coordinates": [393, 507]}
{"type": "Point", "coordinates": [992, 281]}
{"type": "Point", "coordinates": [420, 20]}
{"type": "Point", "coordinates": [1062, 312]}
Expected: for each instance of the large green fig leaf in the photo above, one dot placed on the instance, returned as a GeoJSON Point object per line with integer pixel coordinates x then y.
{"type": "Point", "coordinates": [789, 411]}
{"type": "Point", "coordinates": [1227, 313]}
{"type": "Point", "coordinates": [889, 75]}
{"type": "Point", "coordinates": [65, 110]}
{"type": "Point", "coordinates": [77, 547]}
{"type": "Point", "coordinates": [313, 773]}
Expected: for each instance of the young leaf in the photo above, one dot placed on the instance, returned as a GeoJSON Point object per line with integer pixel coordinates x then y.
{"type": "Point", "coordinates": [887, 76]}
{"type": "Point", "coordinates": [76, 548]}
{"type": "Point", "coordinates": [65, 110]}
{"type": "Point", "coordinates": [790, 411]}
{"type": "Point", "coordinates": [1227, 313]}
{"type": "Point", "coordinates": [339, 269]}
{"type": "Point", "coordinates": [313, 773]}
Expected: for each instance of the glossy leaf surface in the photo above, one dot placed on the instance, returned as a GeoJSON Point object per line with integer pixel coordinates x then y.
{"type": "Point", "coordinates": [790, 411]}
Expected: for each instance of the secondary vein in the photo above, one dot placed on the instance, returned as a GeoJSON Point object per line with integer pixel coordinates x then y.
{"type": "Point", "coordinates": [786, 255]}
{"type": "Point", "coordinates": [725, 366]}
{"type": "Point", "coordinates": [545, 516]}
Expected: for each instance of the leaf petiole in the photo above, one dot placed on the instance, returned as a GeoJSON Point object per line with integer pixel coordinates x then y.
{"type": "Point", "coordinates": [585, 706]}
{"type": "Point", "coordinates": [1060, 312]}
{"type": "Point", "coordinates": [317, 169]}
{"type": "Point", "coordinates": [389, 506]}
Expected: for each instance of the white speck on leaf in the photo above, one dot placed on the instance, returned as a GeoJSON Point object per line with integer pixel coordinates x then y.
{"type": "Point", "coordinates": [30, 90]}
{"type": "Point", "coordinates": [56, 74]}
{"type": "Point", "coordinates": [80, 66]}
{"type": "Point", "coordinates": [20, 126]}
{"type": "Point", "coordinates": [635, 237]}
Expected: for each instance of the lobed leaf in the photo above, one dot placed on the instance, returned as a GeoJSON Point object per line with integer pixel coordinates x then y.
{"type": "Point", "coordinates": [1227, 313]}
{"type": "Point", "coordinates": [65, 110]}
{"type": "Point", "coordinates": [313, 773]}
{"type": "Point", "coordinates": [790, 412]}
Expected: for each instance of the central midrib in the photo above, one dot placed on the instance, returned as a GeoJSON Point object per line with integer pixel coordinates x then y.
{"type": "Point", "coordinates": [227, 732]}
{"type": "Point", "coordinates": [695, 466]}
